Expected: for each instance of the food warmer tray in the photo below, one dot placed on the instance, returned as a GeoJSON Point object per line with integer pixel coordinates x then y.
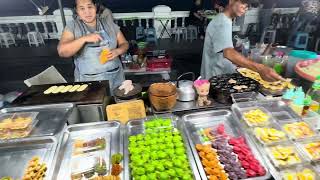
{"type": "Point", "coordinates": [52, 118]}
{"type": "Point", "coordinates": [193, 122]}
{"type": "Point", "coordinates": [192, 106]}
{"type": "Point", "coordinates": [94, 94]}
{"type": "Point", "coordinates": [112, 128]}
{"type": "Point", "coordinates": [136, 127]}
{"type": "Point", "coordinates": [15, 157]}
{"type": "Point", "coordinates": [279, 112]}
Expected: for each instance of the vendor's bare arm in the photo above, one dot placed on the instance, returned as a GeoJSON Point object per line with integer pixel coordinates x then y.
{"type": "Point", "coordinates": [123, 44]}
{"type": "Point", "coordinates": [240, 60]}
{"type": "Point", "coordinates": [266, 73]}
{"type": "Point", "coordinates": [69, 46]}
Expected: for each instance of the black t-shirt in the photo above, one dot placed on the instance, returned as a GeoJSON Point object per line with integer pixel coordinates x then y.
{"type": "Point", "coordinates": [222, 3]}
{"type": "Point", "coordinates": [194, 9]}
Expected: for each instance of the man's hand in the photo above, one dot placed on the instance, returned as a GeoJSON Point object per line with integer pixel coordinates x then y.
{"type": "Point", "coordinates": [92, 38]}
{"type": "Point", "coordinates": [113, 54]}
{"type": "Point", "coordinates": [269, 74]}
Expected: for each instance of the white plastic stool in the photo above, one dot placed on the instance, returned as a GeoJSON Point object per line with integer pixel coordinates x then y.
{"type": "Point", "coordinates": [178, 32]}
{"type": "Point", "coordinates": [7, 39]}
{"type": "Point", "coordinates": [268, 36]}
{"type": "Point", "coordinates": [45, 34]}
{"type": "Point", "coordinates": [35, 38]}
{"type": "Point", "coordinates": [54, 34]}
{"type": "Point", "coordinates": [192, 33]}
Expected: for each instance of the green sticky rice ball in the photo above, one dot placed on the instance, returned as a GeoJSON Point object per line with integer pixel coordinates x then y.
{"type": "Point", "coordinates": [150, 168]}
{"type": "Point", "coordinates": [152, 176]}
{"type": "Point", "coordinates": [160, 167]}
{"type": "Point", "coordinates": [172, 173]}
{"type": "Point", "coordinates": [168, 138]}
{"type": "Point", "coordinates": [179, 145]}
{"type": "Point", "coordinates": [170, 145]}
{"type": "Point", "coordinates": [178, 163]}
{"type": "Point", "coordinates": [168, 164]}
{"type": "Point", "coordinates": [157, 124]}
{"type": "Point", "coordinates": [171, 152]}
{"type": "Point", "coordinates": [154, 147]}
{"type": "Point", "coordinates": [164, 175]}
{"type": "Point", "coordinates": [143, 177]}
{"type": "Point", "coordinates": [177, 139]}
{"type": "Point", "coordinates": [154, 155]}
{"type": "Point", "coordinates": [139, 171]}
{"type": "Point", "coordinates": [160, 140]}
{"type": "Point", "coordinates": [182, 157]}
{"type": "Point", "coordinates": [149, 131]}
{"type": "Point", "coordinates": [180, 172]}
{"type": "Point", "coordinates": [154, 135]}
{"type": "Point", "coordinates": [153, 141]}
{"type": "Point", "coordinates": [162, 146]}
{"type": "Point", "coordinates": [162, 154]}
{"type": "Point", "coordinates": [132, 138]}
{"type": "Point", "coordinates": [187, 177]}
{"type": "Point", "coordinates": [176, 133]}
{"type": "Point", "coordinates": [180, 151]}
{"type": "Point", "coordinates": [166, 122]}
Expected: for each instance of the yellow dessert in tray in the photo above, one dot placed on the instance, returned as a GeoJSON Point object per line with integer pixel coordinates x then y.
{"type": "Point", "coordinates": [65, 89]}
{"type": "Point", "coordinates": [305, 174]}
{"type": "Point", "coordinates": [256, 117]}
{"type": "Point", "coordinates": [277, 85]}
{"type": "Point", "coordinates": [269, 135]}
{"type": "Point", "coordinates": [15, 127]}
{"type": "Point", "coordinates": [284, 155]}
{"type": "Point", "coordinates": [298, 130]}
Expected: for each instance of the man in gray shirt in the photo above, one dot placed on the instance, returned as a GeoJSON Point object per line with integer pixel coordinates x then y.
{"type": "Point", "coordinates": [219, 56]}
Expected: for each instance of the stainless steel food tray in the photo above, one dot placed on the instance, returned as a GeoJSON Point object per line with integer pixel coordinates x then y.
{"type": "Point", "coordinates": [62, 168]}
{"type": "Point", "coordinates": [273, 106]}
{"type": "Point", "coordinates": [193, 122]}
{"type": "Point", "coordinates": [134, 127]}
{"type": "Point", "coordinates": [52, 118]}
{"type": "Point", "coordinates": [14, 157]}
{"type": "Point", "coordinates": [280, 112]}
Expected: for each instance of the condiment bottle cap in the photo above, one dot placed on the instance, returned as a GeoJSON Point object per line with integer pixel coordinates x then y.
{"type": "Point", "coordinates": [307, 101]}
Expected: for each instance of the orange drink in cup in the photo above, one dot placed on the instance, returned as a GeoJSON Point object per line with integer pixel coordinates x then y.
{"type": "Point", "coordinates": [103, 56]}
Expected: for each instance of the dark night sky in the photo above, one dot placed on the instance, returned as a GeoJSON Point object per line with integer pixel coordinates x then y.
{"type": "Point", "coordinates": [24, 7]}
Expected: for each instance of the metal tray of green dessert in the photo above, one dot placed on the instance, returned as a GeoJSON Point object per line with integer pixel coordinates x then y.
{"type": "Point", "coordinates": [73, 160]}
{"type": "Point", "coordinates": [195, 122]}
{"type": "Point", "coordinates": [157, 148]}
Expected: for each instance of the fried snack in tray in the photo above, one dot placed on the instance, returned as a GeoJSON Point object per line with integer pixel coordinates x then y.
{"type": "Point", "coordinates": [274, 86]}
{"type": "Point", "coordinates": [109, 177]}
{"type": "Point", "coordinates": [15, 127]}
{"type": "Point", "coordinates": [35, 170]}
{"type": "Point", "coordinates": [82, 146]}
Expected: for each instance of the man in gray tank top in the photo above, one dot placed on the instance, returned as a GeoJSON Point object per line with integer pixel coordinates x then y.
{"type": "Point", "coordinates": [219, 56]}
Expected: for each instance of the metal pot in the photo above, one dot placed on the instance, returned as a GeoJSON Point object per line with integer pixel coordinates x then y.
{"type": "Point", "coordinates": [185, 89]}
